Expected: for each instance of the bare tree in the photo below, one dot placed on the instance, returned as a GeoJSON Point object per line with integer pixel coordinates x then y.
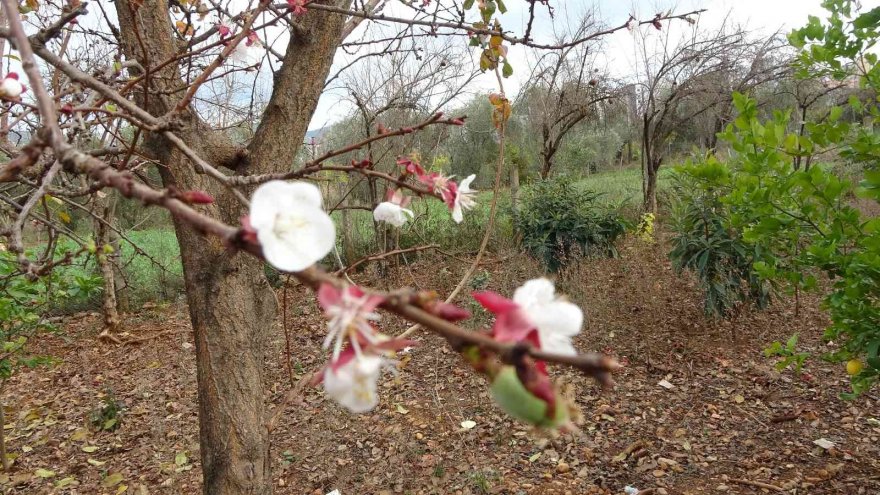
{"type": "Point", "coordinates": [564, 89]}
{"type": "Point", "coordinates": [681, 78]}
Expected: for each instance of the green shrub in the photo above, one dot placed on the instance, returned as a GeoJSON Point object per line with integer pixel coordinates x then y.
{"type": "Point", "coordinates": [558, 221]}
{"type": "Point", "coordinates": [704, 243]}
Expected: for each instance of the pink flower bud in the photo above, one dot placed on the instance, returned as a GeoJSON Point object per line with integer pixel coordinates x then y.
{"type": "Point", "coordinates": [196, 197]}
{"type": "Point", "coordinates": [450, 312]}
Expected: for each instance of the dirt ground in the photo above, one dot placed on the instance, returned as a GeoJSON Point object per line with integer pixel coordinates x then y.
{"type": "Point", "coordinates": [727, 422]}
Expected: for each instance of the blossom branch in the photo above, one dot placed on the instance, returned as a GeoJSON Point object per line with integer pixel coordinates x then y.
{"type": "Point", "coordinates": [315, 166]}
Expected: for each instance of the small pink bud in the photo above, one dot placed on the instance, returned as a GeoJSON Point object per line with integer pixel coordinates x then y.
{"type": "Point", "coordinates": [450, 312]}
{"type": "Point", "coordinates": [223, 30]}
{"type": "Point", "coordinates": [67, 108]}
{"type": "Point", "coordinates": [252, 37]}
{"type": "Point", "coordinates": [196, 197]}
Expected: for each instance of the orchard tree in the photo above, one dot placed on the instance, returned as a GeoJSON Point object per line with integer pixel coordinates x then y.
{"type": "Point", "coordinates": [683, 77]}
{"type": "Point", "coordinates": [237, 201]}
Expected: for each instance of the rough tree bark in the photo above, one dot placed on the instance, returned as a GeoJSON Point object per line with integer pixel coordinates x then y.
{"type": "Point", "coordinates": [109, 307]}
{"type": "Point", "coordinates": [231, 305]}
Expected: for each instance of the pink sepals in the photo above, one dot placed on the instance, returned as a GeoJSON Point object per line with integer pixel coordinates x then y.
{"type": "Point", "coordinates": [411, 166]}
{"type": "Point", "coordinates": [252, 37]}
{"type": "Point", "coordinates": [494, 302]}
{"type": "Point", "coordinates": [344, 358]}
{"type": "Point", "coordinates": [298, 7]}
{"type": "Point", "coordinates": [328, 295]}
{"type": "Point", "coordinates": [397, 197]}
{"type": "Point", "coordinates": [223, 30]}
{"type": "Point", "coordinates": [12, 75]}
{"type": "Point", "coordinates": [511, 324]}
{"type": "Point", "coordinates": [533, 338]}
{"type": "Point", "coordinates": [539, 384]}
{"type": "Point", "coordinates": [248, 232]}
{"type": "Point", "coordinates": [450, 192]}
{"type": "Point", "coordinates": [24, 88]}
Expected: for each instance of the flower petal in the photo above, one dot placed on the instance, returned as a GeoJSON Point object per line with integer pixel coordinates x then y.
{"type": "Point", "coordinates": [354, 384]}
{"type": "Point", "coordinates": [310, 236]}
{"type": "Point", "coordinates": [465, 185]}
{"type": "Point", "coordinates": [328, 295]}
{"type": "Point", "coordinates": [535, 291]}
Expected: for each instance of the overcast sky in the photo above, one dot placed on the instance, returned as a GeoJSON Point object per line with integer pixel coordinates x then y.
{"type": "Point", "coordinates": [761, 16]}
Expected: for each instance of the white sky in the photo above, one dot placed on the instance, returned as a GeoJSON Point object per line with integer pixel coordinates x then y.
{"type": "Point", "coordinates": [760, 16]}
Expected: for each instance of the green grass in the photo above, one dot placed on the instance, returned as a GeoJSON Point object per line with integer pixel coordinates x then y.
{"type": "Point", "coordinates": [624, 186]}
{"type": "Point", "coordinates": [156, 276]}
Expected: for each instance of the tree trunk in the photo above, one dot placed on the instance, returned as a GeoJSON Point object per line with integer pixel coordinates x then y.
{"type": "Point", "coordinates": [104, 209]}
{"type": "Point", "coordinates": [231, 305]}
{"type": "Point", "coordinates": [547, 160]}
{"type": "Point", "coordinates": [651, 189]}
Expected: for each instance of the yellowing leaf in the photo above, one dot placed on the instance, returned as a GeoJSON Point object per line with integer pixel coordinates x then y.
{"type": "Point", "coordinates": [112, 480]}
{"type": "Point", "coordinates": [64, 216]}
{"type": "Point", "coordinates": [65, 482]}
{"type": "Point", "coordinates": [180, 458]}
{"type": "Point", "coordinates": [44, 473]}
{"type": "Point", "coordinates": [96, 463]}
{"type": "Point", "coordinates": [80, 435]}
{"type": "Point", "coordinates": [402, 410]}
{"type": "Point", "coordinates": [33, 4]}
{"type": "Point", "coordinates": [89, 448]}
{"type": "Point", "coordinates": [184, 28]}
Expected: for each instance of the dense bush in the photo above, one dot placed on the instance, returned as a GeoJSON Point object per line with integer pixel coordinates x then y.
{"type": "Point", "coordinates": [704, 243]}
{"type": "Point", "coordinates": [557, 221]}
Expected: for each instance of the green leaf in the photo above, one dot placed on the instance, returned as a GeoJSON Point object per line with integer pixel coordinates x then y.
{"type": "Point", "coordinates": [506, 69]}
{"type": "Point", "coordinates": [44, 473]}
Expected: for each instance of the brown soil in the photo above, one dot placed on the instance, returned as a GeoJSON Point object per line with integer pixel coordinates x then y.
{"type": "Point", "coordinates": [729, 424]}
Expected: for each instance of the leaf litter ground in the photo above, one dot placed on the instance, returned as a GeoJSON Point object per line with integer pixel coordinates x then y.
{"type": "Point", "coordinates": [698, 408]}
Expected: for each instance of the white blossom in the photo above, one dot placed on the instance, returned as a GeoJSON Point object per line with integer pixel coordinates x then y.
{"type": "Point", "coordinates": [354, 383]}
{"type": "Point", "coordinates": [464, 199]}
{"type": "Point", "coordinates": [557, 320]}
{"type": "Point", "coordinates": [391, 213]}
{"type": "Point", "coordinates": [247, 55]}
{"type": "Point", "coordinates": [292, 227]}
{"type": "Point", "coordinates": [11, 87]}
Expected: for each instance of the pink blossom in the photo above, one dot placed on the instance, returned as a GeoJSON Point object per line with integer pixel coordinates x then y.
{"type": "Point", "coordinates": [411, 166]}
{"type": "Point", "coordinates": [350, 313]}
{"type": "Point", "coordinates": [223, 29]}
{"type": "Point", "coordinates": [298, 7]}
{"type": "Point", "coordinates": [252, 39]}
{"type": "Point", "coordinates": [534, 308]}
